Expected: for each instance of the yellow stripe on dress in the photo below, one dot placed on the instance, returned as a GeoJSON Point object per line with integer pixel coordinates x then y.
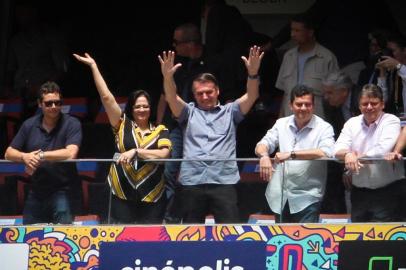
{"type": "Point", "coordinates": [164, 142]}
{"type": "Point", "coordinates": [121, 135]}
{"type": "Point", "coordinates": [156, 193]}
{"type": "Point", "coordinates": [138, 175]}
{"type": "Point", "coordinates": [151, 136]}
{"type": "Point", "coordinates": [115, 183]}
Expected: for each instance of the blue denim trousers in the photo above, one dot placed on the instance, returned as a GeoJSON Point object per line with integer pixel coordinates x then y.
{"type": "Point", "coordinates": [52, 209]}
{"type": "Point", "coordinates": [311, 214]}
{"type": "Point", "coordinates": [172, 168]}
{"type": "Point", "coordinates": [171, 171]}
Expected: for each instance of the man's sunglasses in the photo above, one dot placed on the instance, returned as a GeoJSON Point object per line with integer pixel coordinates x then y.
{"type": "Point", "coordinates": [49, 103]}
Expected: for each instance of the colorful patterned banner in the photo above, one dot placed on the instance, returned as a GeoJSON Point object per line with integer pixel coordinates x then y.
{"type": "Point", "coordinates": [288, 247]}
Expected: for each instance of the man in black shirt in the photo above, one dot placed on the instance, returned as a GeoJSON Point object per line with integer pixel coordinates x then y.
{"type": "Point", "coordinates": [46, 137]}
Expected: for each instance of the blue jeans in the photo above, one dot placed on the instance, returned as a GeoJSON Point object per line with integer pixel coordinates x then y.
{"type": "Point", "coordinates": [310, 214]}
{"type": "Point", "coordinates": [172, 168]}
{"type": "Point", "coordinates": [53, 209]}
{"type": "Point", "coordinates": [173, 210]}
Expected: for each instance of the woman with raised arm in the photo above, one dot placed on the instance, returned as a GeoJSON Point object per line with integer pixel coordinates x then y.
{"type": "Point", "coordinates": [137, 186]}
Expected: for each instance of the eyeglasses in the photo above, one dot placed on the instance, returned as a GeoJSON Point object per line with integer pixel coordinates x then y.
{"type": "Point", "coordinates": [176, 42]}
{"type": "Point", "coordinates": [49, 103]}
{"type": "Point", "coordinates": [136, 107]}
{"type": "Point", "coordinates": [372, 104]}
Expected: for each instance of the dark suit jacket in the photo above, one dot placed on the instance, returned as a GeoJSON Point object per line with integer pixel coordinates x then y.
{"type": "Point", "coordinates": [228, 37]}
{"type": "Point", "coordinates": [334, 115]}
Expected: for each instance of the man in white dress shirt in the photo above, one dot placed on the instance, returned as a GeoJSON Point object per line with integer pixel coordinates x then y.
{"type": "Point", "coordinates": [372, 134]}
{"type": "Point", "coordinates": [296, 187]}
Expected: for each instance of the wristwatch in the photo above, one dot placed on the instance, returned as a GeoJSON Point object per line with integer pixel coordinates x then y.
{"type": "Point", "coordinates": [253, 77]}
{"type": "Point", "coordinates": [399, 66]}
{"type": "Point", "coordinates": [41, 155]}
{"type": "Point", "coordinates": [292, 154]}
{"type": "Point", "coordinates": [263, 155]}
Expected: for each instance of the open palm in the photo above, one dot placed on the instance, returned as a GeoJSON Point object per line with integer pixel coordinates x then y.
{"type": "Point", "coordinates": [87, 59]}
{"type": "Point", "coordinates": [168, 67]}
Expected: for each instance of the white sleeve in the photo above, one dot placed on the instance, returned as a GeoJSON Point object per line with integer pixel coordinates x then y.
{"type": "Point", "coordinates": [271, 139]}
{"type": "Point", "coordinates": [344, 141]}
{"type": "Point", "coordinates": [327, 141]}
{"type": "Point", "coordinates": [387, 140]}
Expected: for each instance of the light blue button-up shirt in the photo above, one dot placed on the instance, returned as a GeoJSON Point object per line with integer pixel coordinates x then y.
{"type": "Point", "coordinates": [209, 134]}
{"type": "Point", "coordinates": [301, 182]}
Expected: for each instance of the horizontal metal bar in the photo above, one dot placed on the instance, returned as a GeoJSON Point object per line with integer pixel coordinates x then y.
{"type": "Point", "coordinates": [201, 159]}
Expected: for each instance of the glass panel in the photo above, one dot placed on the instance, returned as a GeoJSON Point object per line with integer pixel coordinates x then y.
{"type": "Point", "coordinates": [292, 188]}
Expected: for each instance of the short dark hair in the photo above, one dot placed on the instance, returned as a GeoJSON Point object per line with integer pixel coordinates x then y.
{"type": "Point", "coordinates": [372, 91]}
{"type": "Point", "coordinates": [381, 36]}
{"type": "Point", "coordinates": [47, 88]}
{"type": "Point", "coordinates": [132, 98]}
{"type": "Point", "coordinates": [301, 90]}
{"type": "Point", "coordinates": [398, 39]}
{"type": "Point", "coordinates": [305, 19]}
{"type": "Point", "coordinates": [205, 77]}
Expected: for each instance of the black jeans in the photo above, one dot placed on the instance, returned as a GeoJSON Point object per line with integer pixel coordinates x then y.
{"type": "Point", "coordinates": [201, 200]}
{"type": "Point", "coordinates": [375, 205]}
{"type": "Point", "coordinates": [131, 212]}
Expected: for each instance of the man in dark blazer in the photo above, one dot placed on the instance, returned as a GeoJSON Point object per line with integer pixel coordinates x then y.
{"type": "Point", "coordinates": [341, 103]}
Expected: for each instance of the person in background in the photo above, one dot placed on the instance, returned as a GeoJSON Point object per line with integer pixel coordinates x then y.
{"type": "Point", "coordinates": [393, 73]}
{"type": "Point", "coordinates": [37, 53]}
{"type": "Point", "coordinates": [341, 103]}
{"type": "Point", "coordinates": [343, 24]}
{"type": "Point", "coordinates": [42, 140]}
{"type": "Point", "coordinates": [305, 64]}
{"type": "Point", "coordinates": [190, 53]}
{"type": "Point", "coordinates": [226, 36]}
{"type": "Point", "coordinates": [137, 186]}
{"type": "Point", "coordinates": [378, 40]}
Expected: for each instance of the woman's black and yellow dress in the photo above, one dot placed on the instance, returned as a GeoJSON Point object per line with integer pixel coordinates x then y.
{"type": "Point", "coordinates": [138, 185]}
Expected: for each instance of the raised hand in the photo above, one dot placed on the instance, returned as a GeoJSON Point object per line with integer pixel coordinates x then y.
{"type": "Point", "coordinates": [388, 62]}
{"type": "Point", "coordinates": [168, 68]}
{"type": "Point", "coordinates": [87, 59]}
{"type": "Point", "coordinates": [254, 60]}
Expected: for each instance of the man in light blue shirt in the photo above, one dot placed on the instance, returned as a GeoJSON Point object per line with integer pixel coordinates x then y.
{"type": "Point", "coordinates": [209, 129]}
{"type": "Point", "coordinates": [296, 187]}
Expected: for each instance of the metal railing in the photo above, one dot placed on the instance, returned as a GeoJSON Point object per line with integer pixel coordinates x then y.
{"type": "Point", "coordinates": [8, 168]}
